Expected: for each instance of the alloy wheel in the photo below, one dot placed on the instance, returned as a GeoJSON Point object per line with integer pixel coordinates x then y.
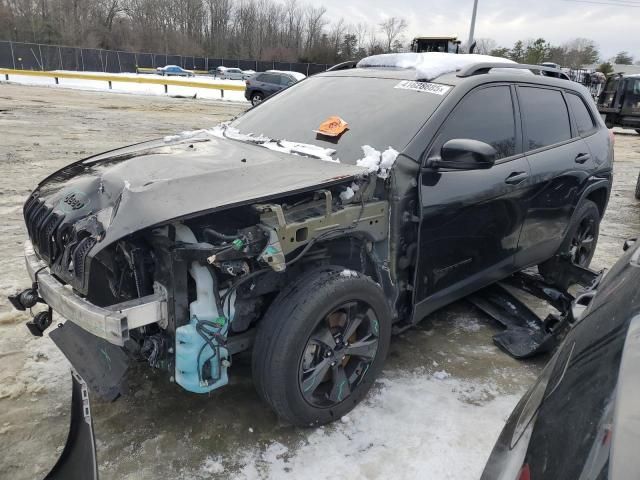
{"type": "Point", "coordinates": [338, 354]}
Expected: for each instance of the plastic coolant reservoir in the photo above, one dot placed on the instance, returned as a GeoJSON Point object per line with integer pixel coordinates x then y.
{"type": "Point", "coordinates": [192, 350]}
{"type": "Point", "coordinates": [188, 345]}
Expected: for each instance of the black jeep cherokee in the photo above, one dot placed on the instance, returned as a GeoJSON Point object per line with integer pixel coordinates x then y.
{"type": "Point", "coordinates": [312, 226]}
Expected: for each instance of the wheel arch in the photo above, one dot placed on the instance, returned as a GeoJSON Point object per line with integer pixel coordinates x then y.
{"type": "Point", "coordinates": [598, 193]}
{"type": "Point", "coordinates": [358, 251]}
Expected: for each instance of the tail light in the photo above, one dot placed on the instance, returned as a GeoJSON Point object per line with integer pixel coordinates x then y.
{"type": "Point", "coordinates": [525, 473]}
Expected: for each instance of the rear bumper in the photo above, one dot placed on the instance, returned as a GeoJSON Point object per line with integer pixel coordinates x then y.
{"type": "Point", "coordinates": [111, 323]}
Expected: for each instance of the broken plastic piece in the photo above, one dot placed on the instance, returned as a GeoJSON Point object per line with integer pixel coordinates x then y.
{"type": "Point", "coordinates": [333, 126]}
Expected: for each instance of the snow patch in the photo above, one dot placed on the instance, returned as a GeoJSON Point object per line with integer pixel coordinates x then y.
{"type": "Point", "coordinates": [211, 466]}
{"type": "Point", "coordinates": [224, 130]}
{"type": "Point", "coordinates": [347, 194]}
{"type": "Point", "coordinates": [393, 435]}
{"type": "Point", "coordinates": [376, 162]}
{"type": "Point", "coordinates": [348, 273]}
{"type": "Point", "coordinates": [441, 375]}
{"type": "Point", "coordinates": [428, 65]}
{"type": "Point", "coordinates": [387, 159]}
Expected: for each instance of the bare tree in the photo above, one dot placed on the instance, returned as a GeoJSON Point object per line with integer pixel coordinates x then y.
{"type": "Point", "coordinates": [485, 46]}
{"type": "Point", "coordinates": [392, 28]}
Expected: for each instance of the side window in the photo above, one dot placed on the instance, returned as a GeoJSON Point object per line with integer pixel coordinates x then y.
{"type": "Point", "coordinates": [545, 117]}
{"type": "Point", "coordinates": [581, 114]}
{"type": "Point", "coordinates": [486, 115]}
{"type": "Point", "coordinates": [269, 78]}
{"type": "Point", "coordinates": [285, 80]}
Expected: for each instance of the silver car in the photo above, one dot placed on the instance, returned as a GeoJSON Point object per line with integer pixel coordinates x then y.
{"type": "Point", "coordinates": [232, 74]}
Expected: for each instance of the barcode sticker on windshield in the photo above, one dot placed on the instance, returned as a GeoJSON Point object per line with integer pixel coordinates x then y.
{"type": "Point", "coordinates": [435, 88]}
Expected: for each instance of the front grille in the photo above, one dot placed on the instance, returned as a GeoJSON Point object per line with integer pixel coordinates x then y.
{"type": "Point", "coordinates": [42, 223]}
{"type": "Point", "coordinates": [62, 247]}
{"type": "Point", "coordinates": [80, 255]}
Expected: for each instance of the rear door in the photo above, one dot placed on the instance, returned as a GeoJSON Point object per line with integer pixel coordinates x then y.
{"type": "Point", "coordinates": [471, 220]}
{"type": "Point", "coordinates": [561, 163]}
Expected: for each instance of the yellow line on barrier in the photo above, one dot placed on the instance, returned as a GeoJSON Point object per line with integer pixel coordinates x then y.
{"type": "Point", "coordinates": [117, 78]}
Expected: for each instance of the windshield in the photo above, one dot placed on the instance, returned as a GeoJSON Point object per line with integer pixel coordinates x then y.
{"type": "Point", "coordinates": [377, 114]}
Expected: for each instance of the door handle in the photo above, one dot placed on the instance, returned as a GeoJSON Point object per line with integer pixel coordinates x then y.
{"type": "Point", "coordinates": [582, 157]}
{"type": "Point", "coordinates": [516, 178]}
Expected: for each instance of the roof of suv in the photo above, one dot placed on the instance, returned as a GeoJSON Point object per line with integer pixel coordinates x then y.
{"type": "Point", "coordinates": [451, 69]}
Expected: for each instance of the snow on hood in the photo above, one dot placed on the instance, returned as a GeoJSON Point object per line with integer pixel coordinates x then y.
{"type": "Point", "coordinates": [428, 65]}
{"type": "Point", "coordinates": [223, 130]}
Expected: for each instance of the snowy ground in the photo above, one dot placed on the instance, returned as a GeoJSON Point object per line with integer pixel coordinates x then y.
{"type": "Point", "coordinates": [434, 414]}
{"type": "Point", "coordinates": [138, 88]}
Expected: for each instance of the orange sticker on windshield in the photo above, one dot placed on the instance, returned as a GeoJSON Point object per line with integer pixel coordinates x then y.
{"type": "Point", "coordinates": [332, 127]}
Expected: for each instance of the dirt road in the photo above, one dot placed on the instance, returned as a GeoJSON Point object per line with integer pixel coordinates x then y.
{"type": "Point", "coordinates": [446, 389]}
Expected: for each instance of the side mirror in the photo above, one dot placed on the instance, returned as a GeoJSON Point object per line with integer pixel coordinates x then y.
{"type": "Point", "coordinates": [464, 154]}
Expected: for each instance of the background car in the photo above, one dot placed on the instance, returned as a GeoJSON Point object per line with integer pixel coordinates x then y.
{"type": "Point", "coordinates": [261, 85]}
{"type": "Point", "coordinates": [579, 420]}
{"type": "Point", "coordinates": [174, 70]}
{"type": "Point", "coordinates": [233, 74]}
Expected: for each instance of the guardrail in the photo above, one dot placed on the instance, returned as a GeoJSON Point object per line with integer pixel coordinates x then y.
{"type": "Point", "coordinates": [110, 79]}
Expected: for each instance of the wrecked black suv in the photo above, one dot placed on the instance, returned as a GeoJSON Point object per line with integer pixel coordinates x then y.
{"type": "Point", "coordinates": [311, 227]}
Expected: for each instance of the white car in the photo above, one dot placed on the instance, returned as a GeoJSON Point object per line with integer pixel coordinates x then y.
{"type": "Point", "coordinates": [233, 74]}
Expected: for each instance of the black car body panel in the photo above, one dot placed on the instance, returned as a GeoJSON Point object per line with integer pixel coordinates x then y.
{"type": "Point", "coordinates": [580, 419]}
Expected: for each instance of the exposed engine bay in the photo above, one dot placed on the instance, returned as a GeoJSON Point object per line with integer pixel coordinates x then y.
{"type": "Point", "coordinates": [208, 269]}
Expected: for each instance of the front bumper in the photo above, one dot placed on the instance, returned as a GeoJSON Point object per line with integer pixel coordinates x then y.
{"type": "Point", "coordinates": [111, 323]}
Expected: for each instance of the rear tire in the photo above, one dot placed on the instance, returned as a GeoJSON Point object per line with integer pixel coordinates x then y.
{"type": "Point", "coordinates": [638, 187]}
{"type": "Point", "coordinates": [321, 345]}
{"type": "Point", "coordinates": [580, 241]}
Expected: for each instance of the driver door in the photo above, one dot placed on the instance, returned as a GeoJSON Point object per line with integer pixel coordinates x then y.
{"type": "Point", "coordinates": [471, 219]}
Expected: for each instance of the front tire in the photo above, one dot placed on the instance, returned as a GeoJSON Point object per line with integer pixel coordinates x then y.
{"type": "Point", "coordinates": [321, 345]}
{"type": "Point", "coordinates": [580, 242]}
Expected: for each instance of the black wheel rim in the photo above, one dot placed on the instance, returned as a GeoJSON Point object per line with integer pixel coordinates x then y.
{"type": "Point", "coordinates": [338, 354]}
{"type": "Point", "coordinates": [583, 243]}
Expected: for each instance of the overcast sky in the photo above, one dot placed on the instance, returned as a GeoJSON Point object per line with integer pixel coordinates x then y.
{"type": "Point", "coordinates": [557, 21]}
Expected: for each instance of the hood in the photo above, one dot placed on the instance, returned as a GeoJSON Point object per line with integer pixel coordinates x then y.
{"type": "Point", "coordinates": [125, 190]}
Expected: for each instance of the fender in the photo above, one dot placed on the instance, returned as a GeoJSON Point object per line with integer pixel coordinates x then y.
{"type": "Point", "coordinates": [596, 182]}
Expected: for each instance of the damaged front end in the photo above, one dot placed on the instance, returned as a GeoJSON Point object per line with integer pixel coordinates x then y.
{"type": "Point", "coordinates": [177, 270]}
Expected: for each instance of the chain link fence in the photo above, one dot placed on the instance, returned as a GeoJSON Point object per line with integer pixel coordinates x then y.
{"type": "Point", "coordinates": [36, 56]}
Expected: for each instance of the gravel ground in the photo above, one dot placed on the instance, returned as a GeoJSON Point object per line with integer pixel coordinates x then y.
{"type": "Point", "coordinates": [435, 413]}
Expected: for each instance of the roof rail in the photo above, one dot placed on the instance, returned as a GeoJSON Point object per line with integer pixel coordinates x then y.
{"type": "Point", "coordinates": [343, 66]}
{"type": "Point", "coordinates": [480, 68]}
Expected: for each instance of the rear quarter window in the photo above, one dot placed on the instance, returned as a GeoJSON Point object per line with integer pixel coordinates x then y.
{"type": "Point", "coordinates": [545, 117]}
{"type": "Point", "coordinates": [581, 114]}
